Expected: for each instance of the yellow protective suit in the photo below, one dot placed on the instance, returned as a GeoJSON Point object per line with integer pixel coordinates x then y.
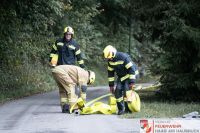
{"type": "Point", "coordinates": [67, 77]}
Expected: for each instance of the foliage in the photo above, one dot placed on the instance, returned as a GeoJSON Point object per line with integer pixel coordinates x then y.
{"type": "Point", "coordinates": [154, 107]}
{"type": "Point", "coordinates": [168, 39]}
{"type": "Point", "coordinates": [163, 35]}
{"type": "Point", "coordinates": [24, 31]}
{"type": "Point", "coordinates": [179, 41]}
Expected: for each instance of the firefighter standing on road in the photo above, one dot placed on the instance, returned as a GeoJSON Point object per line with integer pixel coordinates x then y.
{"type": "Point", "coordinates": [121, 64]}
{"type": "Point", "coordinates": [66, 50]}
{"type": "Point", "coordinates": [67, 77]}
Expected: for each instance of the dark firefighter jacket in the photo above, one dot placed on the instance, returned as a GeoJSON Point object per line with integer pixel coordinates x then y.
{"type": "Point", "coordinates": [68, 52]}
{"type": "Point", "coordinates": [123, 66]}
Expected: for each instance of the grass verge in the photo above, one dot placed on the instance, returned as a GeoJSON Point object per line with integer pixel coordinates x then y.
{"type": "Point", "coordinates": [152, 107]}
{"type": "Point", "coordinates": [25, 81]}
{"type": "Point", "coordinates": [29, 79]}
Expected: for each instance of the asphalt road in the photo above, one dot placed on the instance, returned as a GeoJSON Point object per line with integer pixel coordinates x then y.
{"type": "Point", "coordinates": [42, 114]}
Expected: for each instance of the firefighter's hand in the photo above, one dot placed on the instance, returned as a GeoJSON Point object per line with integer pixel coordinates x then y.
{"type": "Point", "coordinates": [112, 90]}
{"type": "Point", "coordinates": [131, 86]}
{"type": "Point", "coordinates": [83, 96]}
{"type": "Point", "coordinates": [51, 65]}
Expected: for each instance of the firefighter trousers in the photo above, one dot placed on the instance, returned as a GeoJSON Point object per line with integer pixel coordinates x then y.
{"type": "Point", "coordinates": [120, 95]}
{"type": "Point", "coordinates": [66, 88]}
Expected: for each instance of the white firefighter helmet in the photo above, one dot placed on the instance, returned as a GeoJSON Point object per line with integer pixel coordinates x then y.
{"type": "Point", "coordinates": [69, 29]}
{"type": "Point", "coordinates": [109, 52]}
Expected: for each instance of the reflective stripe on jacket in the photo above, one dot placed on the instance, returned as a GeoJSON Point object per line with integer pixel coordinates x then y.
{"type": "Point", "coordinates": [123, 66]}
{"type": "Point", "coordinates": [68, 52]}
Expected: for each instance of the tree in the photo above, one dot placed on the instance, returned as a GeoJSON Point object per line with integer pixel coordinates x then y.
{"type": "Point", "coordinates": [24, 31]}
{"type": "Point", "coordinates": [169, 31]}
{"type": "Point", "coordinates": [179, 41]}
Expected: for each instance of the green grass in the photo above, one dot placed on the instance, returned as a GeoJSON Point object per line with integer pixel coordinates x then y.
{"type": "Point", "coordinates": [152, 107]}
{"type": "Point", "coordinates": [25, 81]}
{"type": "Point", "coordinates": [164, 110]}
{"type": "Point", "coordinates": [31, 79]}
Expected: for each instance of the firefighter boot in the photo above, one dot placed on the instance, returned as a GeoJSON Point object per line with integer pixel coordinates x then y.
{"type": "Point", "coordinates": [65, 108]}
{"type": "Point", "coordinates": [127, 110]}
{"type": "Point", "coordinates": [120, 106]}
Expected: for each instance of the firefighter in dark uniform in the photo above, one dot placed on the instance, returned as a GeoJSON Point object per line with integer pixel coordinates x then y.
{"type": "Point", "coordinates": [66, 50]}
{"type": "Point", "coordinates": [126, 71]}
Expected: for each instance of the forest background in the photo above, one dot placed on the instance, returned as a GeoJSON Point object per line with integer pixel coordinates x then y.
{"type": "Point", "coordinates": [161, 36]}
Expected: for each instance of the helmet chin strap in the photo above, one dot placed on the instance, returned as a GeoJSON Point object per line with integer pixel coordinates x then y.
{"type": "Point", "coordinates": [88, 77]}
{"type": "Point", "coordinates": [113, 54]}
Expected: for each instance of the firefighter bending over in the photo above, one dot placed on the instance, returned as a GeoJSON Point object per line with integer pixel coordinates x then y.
{"type": "Point", "coordinates": [126, 71]}
{"type": "Point", "coordinates": [67, 77]}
